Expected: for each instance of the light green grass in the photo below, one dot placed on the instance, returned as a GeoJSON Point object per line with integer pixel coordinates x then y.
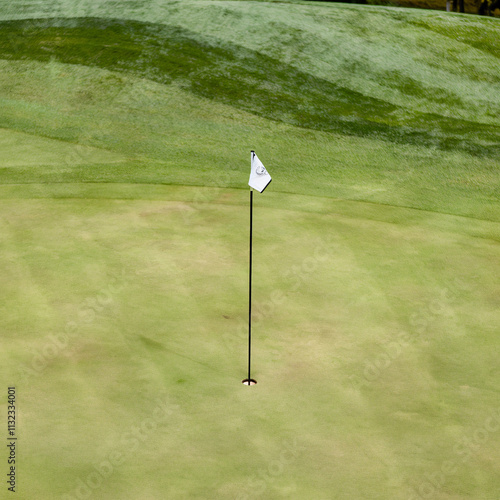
{"type": "Point", "coordinates": [124, 246]}
{"type": "Point", "coordinates": [177, 313]}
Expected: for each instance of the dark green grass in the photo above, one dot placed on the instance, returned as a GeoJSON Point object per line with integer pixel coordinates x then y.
{"type": "Point", "coordinates": [484, 39]}
{"type": "Point", "coordinates": [245, 79]}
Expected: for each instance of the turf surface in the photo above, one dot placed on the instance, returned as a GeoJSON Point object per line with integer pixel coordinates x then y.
{"type": "Point", "coordinates": [125, 137]}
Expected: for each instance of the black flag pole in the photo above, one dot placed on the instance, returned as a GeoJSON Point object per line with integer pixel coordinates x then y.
{"type": "Point", "coordinates": [250, 291]}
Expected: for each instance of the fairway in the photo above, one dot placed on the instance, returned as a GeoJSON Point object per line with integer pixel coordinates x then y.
{"type": "Point", "coordinates": [125, 138]}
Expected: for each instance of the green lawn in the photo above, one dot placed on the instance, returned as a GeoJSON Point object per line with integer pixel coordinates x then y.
{"type": "Point", "coordinates": [125, 133]}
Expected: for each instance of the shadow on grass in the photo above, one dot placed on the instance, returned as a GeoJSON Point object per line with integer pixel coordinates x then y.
{"type": "Point", "coordinates": [242, 78]}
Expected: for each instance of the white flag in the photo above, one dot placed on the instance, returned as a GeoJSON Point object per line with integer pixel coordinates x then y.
{"type": "Point", "coordinates": [259, 176]}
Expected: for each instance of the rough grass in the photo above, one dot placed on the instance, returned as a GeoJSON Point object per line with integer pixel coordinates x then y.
{"type": "Point", "coordinates": [252, 81]}
{"type": "Point", "coordinates": [124, 160]}
{"type": "Point", "coordinates": [164, 134]}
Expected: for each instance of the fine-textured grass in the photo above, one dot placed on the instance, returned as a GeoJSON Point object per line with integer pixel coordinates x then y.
{"type": "Point", "coordinates": [124, 155]}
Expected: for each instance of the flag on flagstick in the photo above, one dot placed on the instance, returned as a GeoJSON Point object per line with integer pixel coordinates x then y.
{"type": "Point", "coordinates": [259, 176]}
{"type": "Point", "coordinates": [259, 180]}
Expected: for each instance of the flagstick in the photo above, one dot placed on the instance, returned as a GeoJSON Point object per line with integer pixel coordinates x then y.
{"type": "Point", "coordinates": [250, 290]}
{"type": "Point", "coordinates": [249, 380]}
{"type": "Point", "coordinates": [259, 179]}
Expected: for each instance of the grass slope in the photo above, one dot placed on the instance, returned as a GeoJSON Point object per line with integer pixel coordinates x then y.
{"type": "Point", "coordinates": [124, 141]}
{"type": "Point", "coordinates": [245, 79]}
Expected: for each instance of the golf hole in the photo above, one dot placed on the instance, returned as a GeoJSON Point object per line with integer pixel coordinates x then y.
{"type": "Point", "coordinates": [250, 381]}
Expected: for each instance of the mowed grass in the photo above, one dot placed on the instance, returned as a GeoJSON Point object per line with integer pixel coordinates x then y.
{"type": "Point", "coordinates": [159, 312]}
{"type": "Point", "coordinates": [124, 222]}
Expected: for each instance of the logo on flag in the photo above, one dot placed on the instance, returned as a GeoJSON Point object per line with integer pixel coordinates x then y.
{"type": "Point", "coordinates": [259, 176]}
